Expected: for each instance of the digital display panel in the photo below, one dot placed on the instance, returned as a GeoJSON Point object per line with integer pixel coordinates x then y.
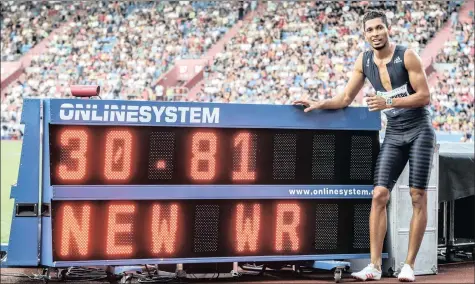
{"type": "Point", "coordinates": [104, 155]}
{"type": "Point", "coordinates": [109, 230]}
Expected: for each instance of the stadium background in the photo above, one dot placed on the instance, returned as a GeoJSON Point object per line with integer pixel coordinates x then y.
{"type": "Point", "coordinates": [268, 52]}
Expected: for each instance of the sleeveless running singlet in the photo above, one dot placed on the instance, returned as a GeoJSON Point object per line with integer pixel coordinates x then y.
{"type": "Point", "coordinates": [400, 84]}
{"type": "Point", "coordinates": [409, 132]}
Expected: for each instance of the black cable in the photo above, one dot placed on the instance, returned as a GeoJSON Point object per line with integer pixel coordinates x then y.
{"type": "Point", "coordinates": [87, 274]}
{"type": "Point", "coordinates": [155, 277]}
{"type": "Point", "coordinates": [76, 276]}
{"type": "Point", "coordinates": [158, 279]}
{"type": "Point", "coordinates": [84, 274]}
{"type": "Point", "coordinates": [148, 270]}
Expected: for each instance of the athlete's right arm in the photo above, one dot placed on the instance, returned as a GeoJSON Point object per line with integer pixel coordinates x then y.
{"type": "Point", "coordinates": [344, 99]}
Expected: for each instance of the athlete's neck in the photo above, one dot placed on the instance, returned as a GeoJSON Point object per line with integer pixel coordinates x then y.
{"type": "Point", "coordinates": [385, 52]}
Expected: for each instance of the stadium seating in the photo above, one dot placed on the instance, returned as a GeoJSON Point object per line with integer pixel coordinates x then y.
{"type": "Point", "coordinates": [297, 49]}
{"type": "Point", "coordinates": [453, 93]}
{"type": "Point", "coordinates": [122, 46]}
{"type": "Point", "coordinates": [26, 24]}
{"type": "Point", "coordinates": [289, 50]}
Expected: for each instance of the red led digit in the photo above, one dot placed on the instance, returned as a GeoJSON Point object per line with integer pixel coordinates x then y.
{"type": "Point", "coordinates": [286, 227]}
{"type": "Point", "coordinates": [163, 230]}
{"type": "Point", "coordinates": [247, 229]}
{"type": "Point", "coordinates": [243, 140]}
{"type": "Point", "coordinates": [75, 228]}
{"type": "Point", "coordinates": [118, 155]}
{"type": "Point", "coordinates": [203, 154]}
{"type": "Point", "coordinates": [114, 227]}
{"type": "Point", "coordinates": [78, 139]}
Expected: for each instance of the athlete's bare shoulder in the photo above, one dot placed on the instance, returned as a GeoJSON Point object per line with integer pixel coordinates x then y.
{"type": "Point", "coordinates": [412, 59]}
{"type": "Point", "coordinates": [417, 74]}
{"type": "Point", "coordinates": [359, 62]}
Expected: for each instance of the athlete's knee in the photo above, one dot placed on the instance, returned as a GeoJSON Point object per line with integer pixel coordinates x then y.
{"type": "Point", "coordinates": [419, 198]}
{"type": "Point", "coordinates": [380, 196]}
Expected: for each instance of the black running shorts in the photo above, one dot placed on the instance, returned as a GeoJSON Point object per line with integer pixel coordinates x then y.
{"type": "Point", "coordinates": [413, 143]}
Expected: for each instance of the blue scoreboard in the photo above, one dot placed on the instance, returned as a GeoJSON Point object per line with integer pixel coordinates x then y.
{"type": "Point", "coordinates": [136, 182]}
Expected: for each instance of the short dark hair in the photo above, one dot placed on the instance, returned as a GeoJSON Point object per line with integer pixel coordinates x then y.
{"type": "Point", "coordinates": [374, 14]}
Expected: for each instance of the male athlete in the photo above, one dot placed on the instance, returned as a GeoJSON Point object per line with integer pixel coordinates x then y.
{"type": "Point", "coordinates": [402, 92]}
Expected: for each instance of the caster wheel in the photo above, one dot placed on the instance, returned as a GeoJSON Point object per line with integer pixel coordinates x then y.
{"type": "Point", "coordinates": [391, 272]}
{"type": "Point", "coordinates": [337, 275]}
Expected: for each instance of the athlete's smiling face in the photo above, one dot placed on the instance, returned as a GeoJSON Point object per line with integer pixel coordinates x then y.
{"type": "Point", "coordinates": [376, 33]}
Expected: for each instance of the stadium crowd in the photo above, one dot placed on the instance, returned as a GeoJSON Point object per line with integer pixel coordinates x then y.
{"type": "Point", "coordinates": [27, 24]}
{"type": "Point", "coordinates": [453, 93]}
{"type": "Point", "coordinates": [299, 49]}
{"type": "Point", "coordinates": [122, 46]}
{"type": "Point", "coordinates": [289, 50]}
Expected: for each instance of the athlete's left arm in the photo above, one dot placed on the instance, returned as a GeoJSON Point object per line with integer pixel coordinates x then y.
{"type": "Point", "coordinates": [418, 80]}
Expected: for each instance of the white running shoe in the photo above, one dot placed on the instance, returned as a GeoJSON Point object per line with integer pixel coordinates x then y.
{"type": "Point", "coordinates": [406, 274]}
{"type": "Point", "coordinates": [368, 273]}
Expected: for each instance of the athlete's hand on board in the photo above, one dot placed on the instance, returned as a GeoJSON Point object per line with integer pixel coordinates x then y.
{"type": "Point", "coordinates": [376, 103]}
{"type": "Point", "coordinates": [309, 105]}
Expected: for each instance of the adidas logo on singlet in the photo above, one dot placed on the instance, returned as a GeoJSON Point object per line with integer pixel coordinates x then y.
{"type": "Point", "coordinates": [397, 60]}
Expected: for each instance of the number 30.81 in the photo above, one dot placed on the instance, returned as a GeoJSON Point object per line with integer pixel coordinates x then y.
{"type": "Point", "coordinates": [118, 155]}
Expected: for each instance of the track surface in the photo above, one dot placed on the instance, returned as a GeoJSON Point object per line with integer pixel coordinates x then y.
{"type": "Point", "coordinates": [448, 273]}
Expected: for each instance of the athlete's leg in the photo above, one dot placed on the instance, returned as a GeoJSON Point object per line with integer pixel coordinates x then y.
{"type": "Point", "coordinates": [378, 224]}
{"type": "Point", "coordinates": [391, 161]}
{"type": "Point", "coordinates": [418, 223]}
{"type": "Point", "coordinates": [420, 163]}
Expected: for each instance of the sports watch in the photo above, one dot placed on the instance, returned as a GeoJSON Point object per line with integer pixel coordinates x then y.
{"type": "Point", "coordinates": [389, 101]}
